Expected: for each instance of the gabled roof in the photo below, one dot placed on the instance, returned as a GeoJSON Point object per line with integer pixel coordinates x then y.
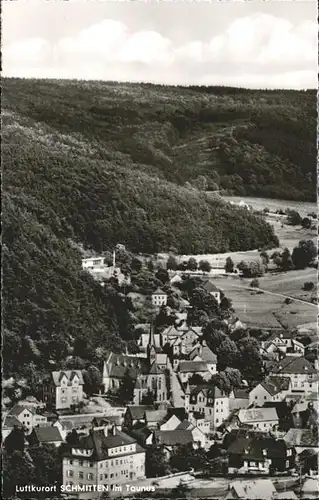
{"type": "Point", "coordinates": [210, 287]}
{"type": "Point", "coordinates": [204, 352]}
{"type": "Point", "coordinates": [18, 409]}
{"type": "Point", "coordinates": [301, 437]}
{"type": "Point", "coordinates": [100, 444]}
{"type": "Point", "coordinates": [185, 425]}
{"type": "Point", "coordinates": [257, 415]}
{"type": "Point", "coordinates": [192, 366]}
{"type": "Point", "coordinates": [294, 365]}
{"type": "Point", "coordinates": [47, 434]}
{"type": "Point", "coordinates": [138, 412]}
{"type": "Point", "coordinates": [69, 374]}
{"type": "Point", "coordinates": [173, 438]}
{"type": "Point", "coordinates": [274, 385]}
{"type": "Point", "coordinates": [259, 489]}
{"type": "Point", "coordinates": [119, 364]}
{"type": "Point", "coordinates": [10, 421]}
{"type": "Point", "coordinates": [155, 369]}
{"type": "Point", "coordinates": [155, 415]}
{"type": "Point", "coordinates": [159, 291]}
{"type": "Point", "coordinates": [241, 393]}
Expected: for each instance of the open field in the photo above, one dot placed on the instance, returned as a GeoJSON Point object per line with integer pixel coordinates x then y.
{"type": "Point", "coordinates": [267, 310]}
{"type": "Point", "coordinates": [303, 207]}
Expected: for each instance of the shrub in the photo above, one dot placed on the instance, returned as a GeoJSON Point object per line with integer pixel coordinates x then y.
{"type": "Point", "coordinates": [308, 286]}
{"type": "Point", "coordinates": [254, 283]}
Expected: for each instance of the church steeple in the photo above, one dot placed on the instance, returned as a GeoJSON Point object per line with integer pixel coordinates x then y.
{"type": "Point", "coordinates": [151, 349]}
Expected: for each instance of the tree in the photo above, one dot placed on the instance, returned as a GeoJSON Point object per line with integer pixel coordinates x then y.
{"type": "Point", "coordinates": [196, 379]}
{"type": "Point", "coordinates": [255, 283]}
{"type": "Point", "coordinates": [171, 263]}
{"type": "Point", "coordinates": [148, 398]}
{"type": "Point", "coordinates": [162, 276]}
{"type": "Point", "coordinates": [204, 266]}
{"type": "Point", "coordinates": [156, 464]}
{"type": "Point", "coordinates": [125, 392]}
{"type": "Point", "coordinates": [17, 471]}
{"type": "Point", "coordinates": [286, 260]}
{"type": "Point", "coordinates": [264, 257]}
{"type": "Point", "coordinates": [306, 223]}
{"type": "Point", "coordinates": [15, 440]}
{"type": "Point", "coordinates": [136, 265]}
{"type": "Point", "coordinates": [229, 266]}
{"type": "Point", "coordinates": [304, 254]}
{"type": "Point", "coordinates": [192, 264]}
{"type": "Point", "coordinates": [227, 354]}
{"type": "Point", "coordinates": [308, 286]}
{"type": "Point", "coordinates": [92, 378]}
{"type": "Point", "coordinates": [249, 359]}
{"type": "Point", "coordinates": [252, 269]}
{"type": "Point", "coordinates": [293, 218]}
{"type": "Point", "coordinates": [46, 461]}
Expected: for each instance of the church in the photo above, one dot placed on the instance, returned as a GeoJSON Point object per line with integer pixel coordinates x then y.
{"type": "Point", "coordinates": [150, 371]}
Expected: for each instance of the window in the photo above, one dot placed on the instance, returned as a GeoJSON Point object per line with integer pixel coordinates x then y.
{"type": "Point", "coordinates": [81, 463]}
{"type": "Point", "coordinates": [71, 462]}
{"type": "Point", "coordinates": [70, 473]}
{"type": "Point", "coordinates": [253, 464]}
{"type": "Point", "coordinates": [111, 476]}
{"type": "Point", "coordinates": [101, 477]}
{"type": "Point", "coordinates": [63, 400]}
{"type": "Point", "coordinates": [106, 476]}
{"type": "Point", "coordinates": [81, 475]}
{"type": "Point", "coordinates": [90, 476]}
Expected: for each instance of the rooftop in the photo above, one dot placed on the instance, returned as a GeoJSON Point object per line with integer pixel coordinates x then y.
{"type": "Point", "coordinates": [257, 415]}
{"type": "Point", "coordinates": [301, 437]}
{"type": "Point", "coordinates": [294, 365]}
{"type": "Point", "coordinates": [173, 438]}
{"type": "Point", "coordinates": [274, 385]}
{"type": "Point", "coordinates": [69, 374]}
{"type": "Point", "coordinates": [47, 434]}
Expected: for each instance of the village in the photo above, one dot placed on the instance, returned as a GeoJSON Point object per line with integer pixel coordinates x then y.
{"type": "Point", "coordinates": [217, 411]}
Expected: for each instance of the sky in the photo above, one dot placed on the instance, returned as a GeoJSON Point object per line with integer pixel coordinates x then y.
{"type": "Point", "coordinates": [252, 43]}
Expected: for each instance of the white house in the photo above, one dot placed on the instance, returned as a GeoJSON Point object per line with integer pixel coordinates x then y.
{"type": "Point", "coordinates": [212, 290]}
{"type": "Point", "coordinates": [186, 369]}
{"type": "Point", "coordinates": [209, 401]}
{"type": "Point", "coordinates": [271, 389]}
{"type": "Point", "coordinates": [27, 416]}
{"type": "Point", "coordinates": [201, 352]}
{"type": "Point", "coordinates": [302, 374]}
{"type": "Point", "coordinates": [159, 298]}
{"type": "Point", "coordinates": [64, 389]}
{"type": "Point", "coordinates": [263, 419]}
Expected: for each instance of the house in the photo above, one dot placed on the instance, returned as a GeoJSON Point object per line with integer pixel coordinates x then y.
{"type": "Point", "coordinates": [182, 339]}
{"type": "Point", "coordinates": [212, 290]}
{"type": "Point", "coordinates": [143, 435]}
{"type": "Point", "coordinates": [174, 278]}
{"type": "Point", "coordinates": [199, 421]}
{"type": "Point", "coordinates": [208, 400]}
{"type": "Point", "coordinates": [159, 298]}
{"type": "Point", "coordinates": [48, 434]}
{"type": "Point", "coordinates": [302, 439]}
{"type": "Point", "coordinates": [199, 437]}
{"type": "Point", "coordinates": [108, 421]}
{"type": "Point", "coordinates": [302, 374]}
{"type": "Point", "coordinates": [260, 489]}
{"type": "Point", "coordinates": [153, 418]}
{"type": "Point", "coordinates": [235, 324]}
{"type": "Point", "coordinates": [283, 342]}
{"type": "Point", "coordinates": [135, 414]}
{"type": "Point", "coordinates": [180, 436]}
{"type": "Point", "coordinates": [10, 422]}
{"type": "Point", "coordinates": [105, 457]}
{"type": "Point", "coordinates": [27, 416]}
{"type": "Point", "coordinates": [305, 414]}
{"type": "Point", "coordinates": [170, 424]}
{"type": "Point", "coordinates": [201, 352]}
{"type": "Point", "coordinates": [252, 453]}
{"type": "Point", "coordinates": [100, 271]}
{"type": "Point", "coordinates": [264, 419]}
{"type": "Point", "coordinates": [186, 369]}
{"type": "Point", "coordinates": [64, 389]}
{"type": "Point", "coordinates": [273, 388]}
{"type": "Point", "coordinates": [239, 398]}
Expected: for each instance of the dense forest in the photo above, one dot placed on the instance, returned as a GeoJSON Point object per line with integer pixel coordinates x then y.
{"type": "Point", "coordinates": [96, 164]}
{"type": "Point", "coordinates": [247, 142]}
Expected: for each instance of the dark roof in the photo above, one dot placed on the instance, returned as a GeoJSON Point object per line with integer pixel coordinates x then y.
{"type": "Point", "coordinates": [209, 390]}
{"type": "Point", "coordinates": [180, 413]}
{"type": "Point", "coordinates": [17, 409]}
{"type": "Point", "coordinates": [291, 365]}
{"type": "Point", "coordinates": [120, 364]}
{"type": "Point", "coordinates": [138, 412]}
{"type": "Point", "coordinates": [155, 369]}
{"type": "Point", "coordinates": [252, 445]}
{"type": "Point", "coordinates": [241, 393]}
{"type": "Point", "coordinates": [100, 444]}
{"type": "Point", "coordinates": [301, 437]}
{"type": "Point", "coordinates": [11, 421]}
{"type": "Point", "coordinates": [111, 419]}
{"type": "Point", "coordinates": [155, 415]}
{"type": "Point", "coordinates": [274, 385]}
{"type": "Point", "coordinates": [69, 374]}
{"type": "Point", "coordinates": [192, 366]}
{"type": "Point", "coordinates": [159, 291]}
{"type": "Point", "coordinates": [210, 287]}
{"type": "Point", "coordinates": [186, 424]}
{"type": "Point", "coordinates": [47, 434]}
{"type": "Point", "coordinates": [173, 438]}
{"type": "Point", "coordinates": [204, 352]}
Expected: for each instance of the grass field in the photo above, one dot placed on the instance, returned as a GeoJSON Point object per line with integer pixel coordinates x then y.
{"type": "Point", "coordinates": [266, 310]}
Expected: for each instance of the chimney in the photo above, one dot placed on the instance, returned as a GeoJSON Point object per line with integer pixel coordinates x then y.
{"type": "Point", "coordinates": [106, 431]}
{"type": "Point", "coordinates": [114, 430]}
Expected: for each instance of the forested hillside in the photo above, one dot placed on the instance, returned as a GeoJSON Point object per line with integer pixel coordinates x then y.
{"type": "Point", "coordinates": [249, 142]}
{"type": "Point", "coordinates": [98, 164]}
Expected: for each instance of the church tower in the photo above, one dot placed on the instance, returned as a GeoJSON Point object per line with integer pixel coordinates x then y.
{"type": "Point", "coordinates": [151, 349]}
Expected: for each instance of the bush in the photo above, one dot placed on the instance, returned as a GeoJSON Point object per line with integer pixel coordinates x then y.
{"type": "Point", "coordinates": [288, 301]}
{"type": "Point", "coordinates": [255, 283]}
{"type": "Point", "coordinates": [308, 286]}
